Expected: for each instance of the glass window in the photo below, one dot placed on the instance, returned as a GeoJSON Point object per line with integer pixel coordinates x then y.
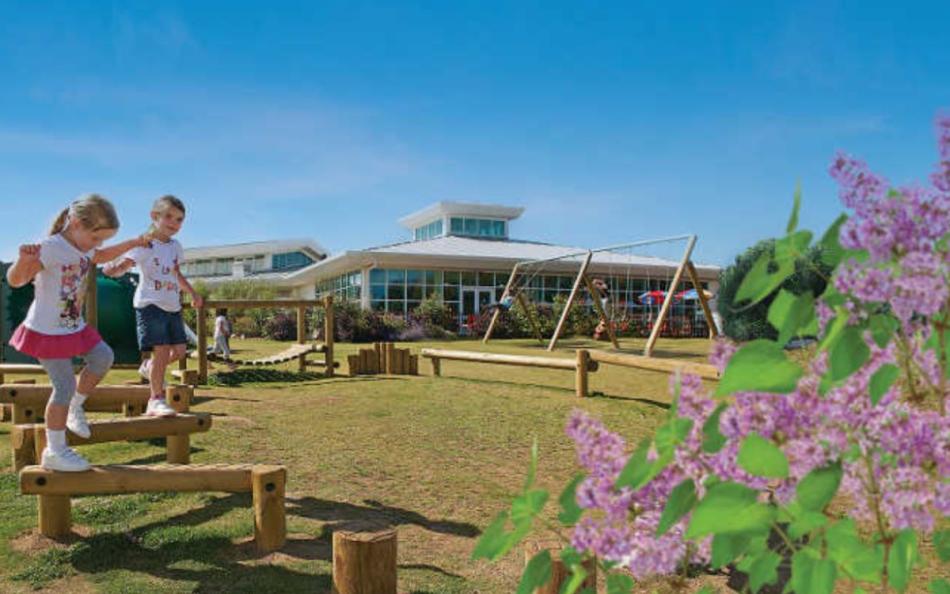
{"type": "Point", "coordinates": [451, 277]}
{"type": "Point", "coordinates": [396, 277]}
{"type": "Point", "coordinates": [498, 228]}
{"type": "Point", "coordinates": [396, 307]}
{"type": "Point", "coordinates": [431, 278]}
{"type": "Point", "coordinates": [396, 292]}
{"type": "Point", "coordinates": [378, 305]}
{"type": "Point", "coordinates": [414, 292]}
{"type": "Point", "coordinates": [501, 278]}
{"type": "Point", "coordinates": [451, 293]}
{"type": "Point", "coordinates": [471, 226]}
{"type": "Point", "coordinates": [377, 291]}
{"type": "Point", "coordinates": [377, 275]}
{"type": "Point", "coordinates": [457, 225]}
{"type": "Point", "coordinates": [433, 291]}
{"type": "Point", "coordinates": [412, 305]}
{"type": "Point", "coordinates": [484, 228]}
{"type": "Point", "coordinates": [566, 282]}
{"type": "Point", "coordinates": [437, 228]}
{"type": "Point", "coordinates": [415, 277]}
{"type": "Point", "coordinates": [419, 232]}
{"type": "Point", "coordinates": [468, 279]}
{"type": "Point", "coordinates": [486, 279]}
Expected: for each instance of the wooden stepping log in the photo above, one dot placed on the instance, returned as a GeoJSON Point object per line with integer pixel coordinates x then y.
{"type": "Point", "coordinates": [364, 561]}
{"type": "Point", "coordinates": [19, 369]}
{"type": "Point", "coordinates": [265, 482]}
{"type": "Point", "coordinates": [29, 440]}
{"type": "Point", "coordinates": [30, 401]}
{"type": "Point", "coordinates": [189, 377]}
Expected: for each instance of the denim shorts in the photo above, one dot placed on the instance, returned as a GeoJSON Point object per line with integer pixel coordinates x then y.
{"type": "Point", "coordinates": [154, 326]}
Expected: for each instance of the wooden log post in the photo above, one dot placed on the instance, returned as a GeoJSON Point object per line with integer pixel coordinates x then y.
{"type": "Point", "coordinates": [301, 336]}
{"type": "Point", "coordinates": [328, 335]}
{"type": "Point", "coordinates": [436, 366]}
{"type": "Point", "coordinates": [178, 447]}
{"type": "Point", "coordinates": [364, 561]}
{"type": "Point", "coordinates": [202, 345]}
{"type": "Point", "coordinates": [570, 301]}
{"type": "Point", "coordinates": [388, 357]}
{"type": "Point", "coordinates": [701, 295]}
{"type": "Point", "coordinates": [378, 349]}
{"type": "Point", "coordinates": [178, 396]}
{"type": "Point", "coordinates": [560, 573]}
{"type": "Point", "coordinates": [6, 413]}
{"type": "Point", "coordinates": [414, 365]}
{"type": "Point", "coordinates": [23, 444]}
{"type": "Point", "coordinates": [580, 378]}
{"type": "Point", "coordinates": [354, 364]}
{"type": "Point", "coordinates": [24, 413]}
{"type": "Point", "coordinates": [55, 516]}
{"type": "Point", "coordinates": [668, 300]}
{"type": "Point", "coordinates": [268, 484]}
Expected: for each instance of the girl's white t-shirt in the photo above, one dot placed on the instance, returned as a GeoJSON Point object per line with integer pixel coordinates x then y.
{"type": "Point", "coordinates": [59, 288]}
{"type": "Point", "coordinates": [222, 327]}
{"type": "Point", "coordinates": [158, 281]}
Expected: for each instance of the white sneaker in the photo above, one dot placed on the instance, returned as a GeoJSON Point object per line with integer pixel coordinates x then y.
{"type": "Point", "coordinates": [157, 407]}
{"type": "Point", "coordinates": [67, 460]}
{"type": "Point", "coordinates": [145, 370]}
{"type": "Point", "coordinates": [76, 421]}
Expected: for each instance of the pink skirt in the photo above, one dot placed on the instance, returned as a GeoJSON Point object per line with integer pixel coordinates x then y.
{"type": "Point", "coordinates": [54, 346]}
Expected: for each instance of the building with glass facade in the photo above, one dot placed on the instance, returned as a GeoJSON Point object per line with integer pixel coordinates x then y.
{"type": "Point", "coordinates": [462, 255]}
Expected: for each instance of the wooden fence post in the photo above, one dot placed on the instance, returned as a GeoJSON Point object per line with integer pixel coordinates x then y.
{"type": "Point", "coordinates": [328, 335]}
{"type": "Point", "coordinates": [270, 521]}
{"type": "Point", "coordinates": [580, 376]}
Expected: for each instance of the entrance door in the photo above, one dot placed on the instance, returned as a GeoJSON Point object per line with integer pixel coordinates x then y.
{"type": "Point", "coordinates": [475, 301]}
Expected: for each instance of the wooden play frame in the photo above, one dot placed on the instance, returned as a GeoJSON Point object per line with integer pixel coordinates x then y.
{"type": "Point", "coordinates": [300, 304]}
{"type": "Point", "coordinates": [582, 279]}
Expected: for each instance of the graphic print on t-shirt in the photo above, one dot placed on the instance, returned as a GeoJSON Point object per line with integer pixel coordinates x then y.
{"type": "Point", "coordinates": [71, 294]}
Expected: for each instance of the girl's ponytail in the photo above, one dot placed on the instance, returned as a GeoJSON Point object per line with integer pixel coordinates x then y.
{"type": "Point", "coordinates": [60, 222]}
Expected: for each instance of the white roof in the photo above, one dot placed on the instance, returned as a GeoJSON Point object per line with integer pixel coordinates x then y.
{"type": "Point", "coordinates": [469, 253]}
{"type": "Point", "coordinates": [257, 247]}
{"type": "Point", "coordinates": [460, 209]}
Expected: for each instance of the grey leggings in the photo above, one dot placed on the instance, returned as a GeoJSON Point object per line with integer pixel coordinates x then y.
{"type": "Point", "coordinates": [60, 371]}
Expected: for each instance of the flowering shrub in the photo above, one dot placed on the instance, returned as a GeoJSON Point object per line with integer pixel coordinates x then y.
{"type": "Point", "coordinates": [762, 456]}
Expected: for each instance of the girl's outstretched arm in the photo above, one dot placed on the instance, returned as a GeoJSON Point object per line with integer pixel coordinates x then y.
{"type": "Point", "coordinates": [118, 267]}
{"type": "Point", "coordinates": [114, 251]}
{"type": "Point", "coordinates": [26, 266]}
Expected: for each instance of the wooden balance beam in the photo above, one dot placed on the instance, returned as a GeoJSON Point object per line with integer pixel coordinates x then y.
{"type": "Point", "coordinates": [28, 441]}
{"type": "Point", "coordinates": [703, 370]}
{"type": "Point", "coordinates": [581, 364]}
{"type": "Point", "coordinates": [265, 482]}
{"type": "Point", "coordinates": [19, 369]}
{"type": "Point", "coordinates": [29, 401]}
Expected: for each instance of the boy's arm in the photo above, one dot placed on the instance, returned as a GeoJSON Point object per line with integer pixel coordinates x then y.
{"type": "Point", "coordinates": [114, 251]}
{"type": "Point", "coordinates": [196, 299]}
{"type": "Point", "coordinates": [27, 265]}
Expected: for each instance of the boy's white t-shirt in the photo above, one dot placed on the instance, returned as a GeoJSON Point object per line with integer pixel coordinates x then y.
{"type": "Point", "coordinates": [158, 283]}
{"type": "Point", "coordinates": [58, 295]}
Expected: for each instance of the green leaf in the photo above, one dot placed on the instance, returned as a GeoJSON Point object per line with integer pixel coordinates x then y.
{"type": "Point", "coordinates": [805, 523]}
{"type": "Point", "coordinates": [636, 468]}
{"type": "Point", "coordinates": [939, 586]}
{"type": "Point", "coordinates": [818, 487]}
{"type": "Point", "coordinates": [848, 354]}
{"type": "Point", "coordinates": [570, 511]}
{"type": "Point", "coordinates": [764, 570]}
{"type": "Point", "coordinates": [726, 548]}
{"type": "Point", "coordinates": [533, 467]}
{"type": "Point", "coordinates": [882, 380]}
{"type": "Point", "coordinates": [492, 539]}
{"type": "Point", "coordinates": [671, 434]}
{"type": "Point", "coordinates": [901, 561]}
{"type": "Point", "coordinates": [793, 315]}
{"type": "Point", "coordinates": [760, 457]}
{"type": "Point", "coordinates": [729, 508]}
{"type": "Point", "coordinates": [713, 439]}
{"type": "Point", "coordinates": [707, 590]}
{"type": "Point", "coordinates": [857, 559]}
{"type": "Point", "coordinates": [619, 583]}
{"type": "Point", "coordinates": [578, 575]}
{"type": "Point", "coordinates": [814, 576]}
{"type": "Point", "coordinates": [771, 269]}
{"type": "Point", "coordinates": [536, 573]}
{"type": "Point", "coordinates": [942, 544]}
{"type": "Point", "coordinates": [882, 328]}
{"type": "Point", "coordinates": [796, 206]}
{"type": "Point", "coordinates": [759, 366]}
{"type": "Point", "coordinates": [831, 251]}
{"type": "Point", "coordinates": [680, 502]}
{"type": "Point", "coordinates": [570, 556]}
{"type": "Point", "coordinates": [529, 505]}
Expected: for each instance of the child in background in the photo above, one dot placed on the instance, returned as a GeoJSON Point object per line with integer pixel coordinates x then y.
{"type": "Point", "coordinates": [157, 300]}
{"type": "Point", "coordinates": [54, 330]}
{"type": "Point", "coordinates": [222, 334]}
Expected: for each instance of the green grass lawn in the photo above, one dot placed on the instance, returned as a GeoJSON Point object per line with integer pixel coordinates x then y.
{"type": "Point", "coordinates": [435, 457]}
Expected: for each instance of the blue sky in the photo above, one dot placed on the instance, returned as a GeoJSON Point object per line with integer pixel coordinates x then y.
{"type": "Point", "coordinates": [609, 122]}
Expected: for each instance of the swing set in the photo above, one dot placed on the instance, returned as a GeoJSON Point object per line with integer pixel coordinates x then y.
{"type": "Point", "coordinates": [627, 291]}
